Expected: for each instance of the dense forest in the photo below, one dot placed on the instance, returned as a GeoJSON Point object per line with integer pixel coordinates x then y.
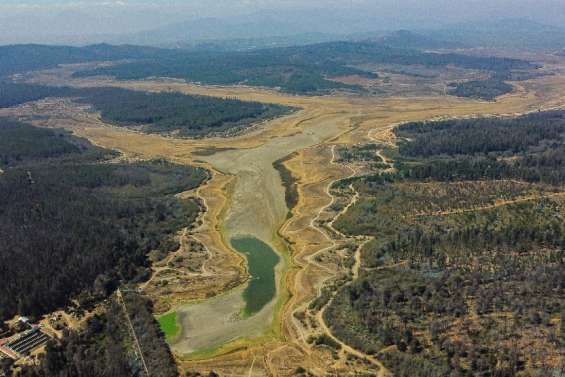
{"type": "Point", "coordinates": [487, 89]}
{"type": "Point", "coordinates": [184, 115]}
{"type": "Point", "coordinates": [482, 135]}
{"type": "Point", "coordinates": [16, 59]}
{"type": "Point", "coordinates": [302, 69]}
{"type": "Point", "coordinates": [113, 213]}
{"type": "Point", "coordinates": [21, 142]}
{"type": "Point", "coordinates": [465, 273]}
{"type": "Point", "coordinates": [105, 347]}
{"type": "Point", "coordinates": [12, 94]}
{"type": "Point", "coordinates": [531, 148]}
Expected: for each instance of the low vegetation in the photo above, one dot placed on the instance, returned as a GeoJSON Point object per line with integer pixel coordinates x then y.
{"type": "Point", "coordinates": [289, 182]}
{"type": "Point", "coordinates": [366, 154]}
{"type": "Point", "coordinates": [495, 85]}
{"type": "Point", "coordinates": [324, 340]}
{"type": "Point", "coordinates": [465, 273]}
{"type": "Point", "coordinates": [169, 325]}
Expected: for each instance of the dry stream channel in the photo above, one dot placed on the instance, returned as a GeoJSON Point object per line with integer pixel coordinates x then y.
{"type": "Point", "coordinates": [257, 210]}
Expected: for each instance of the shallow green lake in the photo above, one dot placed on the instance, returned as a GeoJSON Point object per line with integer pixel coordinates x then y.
{"type": "Point", "coordinates": [261, 260]}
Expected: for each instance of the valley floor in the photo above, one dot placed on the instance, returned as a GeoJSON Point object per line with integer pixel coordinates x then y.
{"type": "Point", "coordinates": [245, 197]}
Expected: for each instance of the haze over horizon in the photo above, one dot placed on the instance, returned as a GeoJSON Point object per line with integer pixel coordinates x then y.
{"type": "Point", "coordinates": [115, 21]}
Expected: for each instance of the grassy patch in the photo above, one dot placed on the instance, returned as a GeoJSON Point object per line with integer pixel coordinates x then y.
{"type": "Point", "coordinates": [169, 325]}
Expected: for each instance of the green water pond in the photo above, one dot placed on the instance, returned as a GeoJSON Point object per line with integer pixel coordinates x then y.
{"type": "Point", "coordinates": [261, 261]}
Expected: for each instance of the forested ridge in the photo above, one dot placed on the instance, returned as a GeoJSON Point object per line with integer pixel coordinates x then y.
{"type": "Point", "coordinates": [175, 112]}
{"type": "Point", "coordinates": [481, 135]}
{"type": "Point", "coordinates": [300, 69]}
{"type": "Point", "coordinates": [531, 148]}
{"type": "Point", "coordinates": [465, 274]}
{"type": "Point", "coordinates": [20, 142]}
{"type": "Point", "coordinates": [16, 59]}
{"type": "Point", "coordinates": [184, 115]}
{"type": "Point", "coordinates": [12, 94]}
{"type": "Point", "coordinates": [75, 227]}
{"type": "Point", "coordinates": [303, 69]}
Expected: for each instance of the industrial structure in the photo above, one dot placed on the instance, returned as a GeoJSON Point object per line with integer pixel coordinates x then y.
{"type": "Point", "coordinates": [22, 344]}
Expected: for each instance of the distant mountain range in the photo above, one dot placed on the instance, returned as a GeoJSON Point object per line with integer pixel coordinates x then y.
{"type": "Point", "coordinates": [265, 29]}
{"type": "Point", "coordinates": [261, 32]}
{"type": "Point", "coordinates": [314, 26]}
{"type": "Point", "coordinates": [510, 33]}
{"type": "Point", "coordinates": [409, 39]}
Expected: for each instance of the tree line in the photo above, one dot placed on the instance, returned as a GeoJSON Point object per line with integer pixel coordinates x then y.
{"type": "Point", "coordinates": [300, 69]}
{"type": "Point", "coordinates": [82, 244]}
{"type": "Point", "coordinates": [461, 293]}
{"type": "Point", "coordinates": [170, 112]}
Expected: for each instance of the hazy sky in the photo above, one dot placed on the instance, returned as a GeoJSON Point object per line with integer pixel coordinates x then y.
{"type": "Point", "coordinates": [29, 20]}
{"type": "Point", "coordinates": [451, 8]}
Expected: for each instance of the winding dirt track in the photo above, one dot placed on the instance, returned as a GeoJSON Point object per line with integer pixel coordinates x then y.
{"type": "Point", "coordinates": [498, 204]}
{"type": "Point", "coordinates": [312, 133]}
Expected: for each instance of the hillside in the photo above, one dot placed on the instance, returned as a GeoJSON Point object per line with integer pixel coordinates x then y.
{"type": "Point", "coordinates": [463, 272]}
{"type": "Point", "coordinates": [41, 229]}
{"type": "Point", "coordinates": [22, 58]}
{"type": "Point", "coordinates": [414, 40]}
{"type": "Point", "coordinates": [507, 33]}
{"type": "Point", "coordinates": [308, 69]}
{"type": "Point", "coordinates": [298, 70]}
{"type": "Point", "coordinates": [163, 113]}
